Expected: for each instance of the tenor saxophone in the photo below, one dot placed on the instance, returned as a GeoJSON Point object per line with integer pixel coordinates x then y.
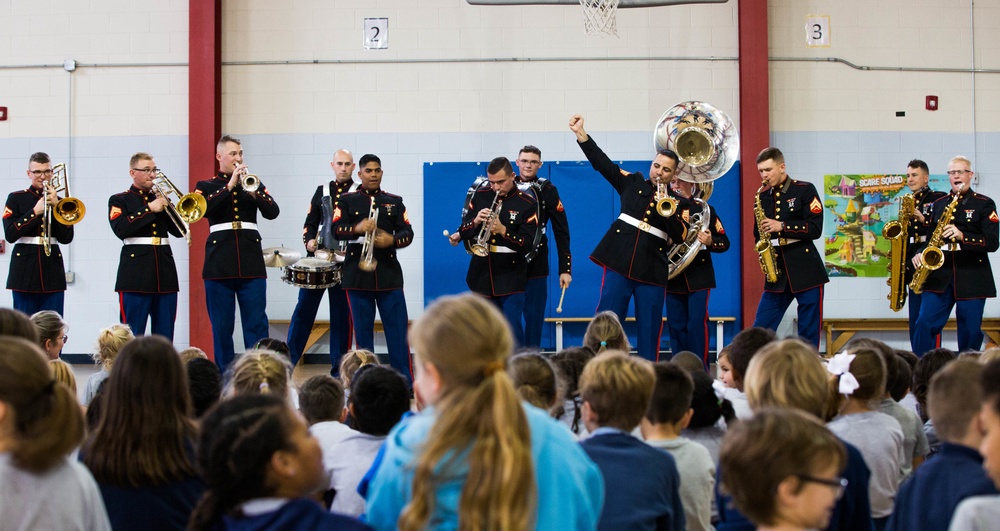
{"type": "Point", "coordinates": [897, 232]}
{"type": "Point", "coordinates": [765, 251]}
{"type": "Point", "coordinates": [932, 257]}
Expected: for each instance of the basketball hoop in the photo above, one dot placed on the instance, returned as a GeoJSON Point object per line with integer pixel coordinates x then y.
{"type": "Point", "coordinates": [599, 17]}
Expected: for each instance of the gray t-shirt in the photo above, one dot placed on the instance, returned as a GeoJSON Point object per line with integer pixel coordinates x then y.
{"type": "Point", "coordinates": [66, 497]}
{"type": "Point", "coordinates": [880, 440]}
{"type": "Point", "coordinates": [978, 513]}
{"type": "Point", "coordinates": [914, 440]}
{"type": "Point", "coordinates": [93, 384]}
{"type": "Point", "coordinates": [347, 456]}
{"type": "Point", "coordinates": [697, 471]}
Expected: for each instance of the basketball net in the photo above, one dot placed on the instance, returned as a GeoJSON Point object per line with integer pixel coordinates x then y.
{"type": "Point", "coordinates": [599, 17]}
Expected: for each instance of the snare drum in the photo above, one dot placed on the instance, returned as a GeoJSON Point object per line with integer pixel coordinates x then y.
{"type": "Point", "coordinates": [312, 273]}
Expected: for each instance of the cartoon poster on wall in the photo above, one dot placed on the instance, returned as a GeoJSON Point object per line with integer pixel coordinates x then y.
{"type": "Point", "coordinates": [856, 207]}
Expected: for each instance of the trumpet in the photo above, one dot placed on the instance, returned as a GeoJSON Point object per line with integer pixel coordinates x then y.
{"type": "Point", "coordinates": [249, 181]}
{"type": "Point", "coordinates": [482, 245]}
{"type": "Point", "coordinates": [67, 211]}
{"type": "Point", "coordinates": [368, 261]}
{"type": "Point", "coordinates": [189, 209]}
{"type": "Point", "coordinates": [665, 205]}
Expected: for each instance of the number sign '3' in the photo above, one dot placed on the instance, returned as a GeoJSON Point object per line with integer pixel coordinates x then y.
{"type": "Point", "coordinates": [376, 33]}
{"type": "Point", "coordinates": [818, 31]}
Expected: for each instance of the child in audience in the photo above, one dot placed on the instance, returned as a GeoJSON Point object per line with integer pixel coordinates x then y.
{"type": "Point", "coordinates": [52, 332]}
{"type": "Point", "coordinates": [725, 369]}
{"type": "Point", "coordinates": [442, 467]}
{"type": "Point", "coordinates": [668, 413]}
{"type": "Point", "coordinates": [63, 374]}
{"type": "Point", "coordinates": [191, 353]}
{"type": "Point", "coordinates": [204, 384]}
{"type": "Point", "coordinates": [17, 323]}
{"type": "Point", "coordinates": [263, 372]}
{"type": "Point", "coordinates": [687, 360]}
{"type": "Point", "coordinates": [141, 452]}
{"type": "Point", "coordinates": [711, 414]}
{"type": "Point", "coordinates": [570, 362]}
{"type": "Point", "coordinates": [110, 341]}
{"type": "Point", "coordinates": [929, 498]}
{"type": "Point", "coordinates": [535, 381]}
{"type": "Point", "coordinates": [641, 482]}
{"type": "Point", "coordinates": [981, 513]}
{"type": "Point", "coordinates": [925, 369]}
{"type": "Point", "coordinates": [738, 354]}
{"type": "Point", "coordinates": [782, 469]}
{"type": "Point", "coordinates": [260, 464]}
{"type": "Point", "coordinates": [352, 361]}
{"type": "Point", "coordinates": [605, 332]}
{"type": "Point", "coordinates": [41, 423]}
{"type": "Point", "coordinates": [857, 388]}
{"type": "Point", "coordinates": [274, 345]}
{"type": "Point", "coordinates": [990, 354]}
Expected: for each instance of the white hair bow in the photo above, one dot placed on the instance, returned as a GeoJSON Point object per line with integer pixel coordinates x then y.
{"type": "Point", "coordinates": [840, 365]}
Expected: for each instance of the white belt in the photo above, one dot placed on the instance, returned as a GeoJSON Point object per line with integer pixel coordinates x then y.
{"type": "Point", "coordinates": [233, 225]}
{"type": "Point", "coordinates": [918, 239]}
{"type": "Point", "coordinates": [951, 247]}
{"type": "Point", "coordinates": [154, 240]}
{"type": "Point", "coordinates": [644, 227]}
{"type": "Point", "coordinates": [543, 230]}
{"type": "Point", "coordinates": [778, 242]}
{"type": "Point", "coordinates": [501, 249]}
{"type": "Point", "coordinates": [34, 240]}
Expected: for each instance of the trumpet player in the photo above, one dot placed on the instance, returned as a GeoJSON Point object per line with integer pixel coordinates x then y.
{"type": "Point", "coordinates": [503, 220]}
{"type": "Point", "coordinates": [147, 283]}
{"type": "Point", "coordinates": [37, 281]}
{"type": "Point", "coordinates": [372, 275]}
{"type": "Point", "coordinates": [793, 218]}
{"type": "Point", "coordinates": [234, 261]}
{"type": "Point", "coordinates": [918, 181]}
{"type": "Point", "coordinates": [965, 279]}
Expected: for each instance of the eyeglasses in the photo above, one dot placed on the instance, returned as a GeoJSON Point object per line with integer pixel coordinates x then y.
{"type": "Point", "coordinates": [39, 173]}
{"type": "Point", "coordinates": [838, 485]}
{"type": "Point", "coordinates": [958, 172]}
{"type": "Point", "coordinates": [65, 339]}
{"type": "Point", "coordinates": [146, 170]}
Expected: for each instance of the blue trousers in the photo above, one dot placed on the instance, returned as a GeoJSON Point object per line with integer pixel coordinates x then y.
{"type": "Point", "coordinates": [772, 306]}
{"type": "Point", "coordinates": [137, 308]}
{"type": "Point", "coordinates": [305, 315]}
{"type": "Point", "coordinates": [934, 311]}
{"type": "Point", "coordinates": [617, 290]}
{"type": "Point", "coordinates": [31, 303]}
{"type": "Point", "coordinates": [913, 306]}
{"type": "Point", "coordinates": [512, 307]}
{"type": "Point", "coordinates": [221, 297]}
{"type": "Point", "coordinates": [536, 294]}
{"type": "Point", "coordinates": [687, 322]}
{"type": "Point", "coordinates": [392, 308]}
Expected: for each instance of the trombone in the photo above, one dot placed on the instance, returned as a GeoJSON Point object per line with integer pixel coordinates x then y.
{"type": "Point", "coordinates": [67, 211]}
{"type": "Point", "coordinates": [189, 209]}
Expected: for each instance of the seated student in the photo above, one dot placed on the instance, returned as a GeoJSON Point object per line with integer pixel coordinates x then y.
{"type": "Point", "coordinates": [110, 341]}
{"type": "Point", "coordinates": [17, 323]}
{"type": "Point", "coordinates": [52, 332]}
{"type": "Point", "coordinates": [605, 332]}
{"type": "Point", "coordinates": [41, 423]}
{"type": "Point", "coordinates": [277, 465]}
{"type": "Point", "coordinates": [274, 345]}
{"type": "Point", "coordinates": [687, 360]}
{"type": "Point", "coordinates": [570, 362]}
{"type": "Point", "coordinates": [351, 362]}
{"type": "Point", "coordinates": [668, 413]}
{"type": "Point", "coordinates": [263, 372]}
{"type": "Point", "coordinates": [191, 353]}
{"type": "Point", "coordinates": [642, 483]}
{"type": "Point", "coordinates": [142, 451]}
{"type": "Point", "coordinates": [204, 384]}
{"type": "Point", "coordinates": [782, 468]}
{"type": "Point", "coordinates": [711, 414]}
{"type": "Point", "coordinates": [928, 499]}
{"type": "Point", "coordinates": [909, 401]}
{"type": "Point", "coordinates": [63, 374]}
{"type": "Point", "coordinates": [440, 468]}
{"type": "Point", "coordinates": [738, 355]}
{"type": "Point", "coordinates": [901, 391]}
{"type": "Point", "coordinates": [536, 382]}
{"type": "Point", "coordinates": [981, 513]}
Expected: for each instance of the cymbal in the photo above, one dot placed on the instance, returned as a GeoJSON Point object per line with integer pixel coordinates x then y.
{"type": "Point", "coordinates": [280, 257]}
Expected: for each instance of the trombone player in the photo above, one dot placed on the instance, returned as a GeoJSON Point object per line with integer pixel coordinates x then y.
{"type": "Point", "coordinates": [36, 278]}
{"type": "Point", "coordinates": [147, 276]}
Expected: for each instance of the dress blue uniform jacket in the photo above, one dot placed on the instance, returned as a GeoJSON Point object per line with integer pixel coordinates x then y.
{"type": "Point", "coordinates": [799, 207]}
{"type": "Point", "coordinates": [143, 268]}
{"type": "Point", "coordinates": [234, 254]}
{"type": "Point", "coordinates": [967, 270]}
{"type": "Point", "coordinates": [500, 274]}
{"type": "Point", "coordinates": [700, 274]}
{"type": "Point", "coordinates": [30, 270]}
{"type": "Point", "coordinates": [351, 209]}
{"type": "Point", "coordinates": [315, 216]}
{"type": "Point", "coordinates": [551, 210]}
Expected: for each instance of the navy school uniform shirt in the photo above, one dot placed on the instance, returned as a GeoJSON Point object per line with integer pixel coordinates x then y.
{"type": "Point", "coordinates": [296, 515]}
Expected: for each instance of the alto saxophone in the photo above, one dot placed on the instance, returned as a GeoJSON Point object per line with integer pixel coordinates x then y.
{"type": "Point", "coordinates": [765, 251]}
{"type": "Point", "coordinates": [897, 232]}
{"type": "Point", "coordinates": [932, 257]}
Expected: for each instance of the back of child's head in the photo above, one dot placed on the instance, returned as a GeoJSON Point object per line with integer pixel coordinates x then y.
{"type": "Point", "coordinates": [191, 353]}
{"type": "Point", "coordinates": [605, 332]}
{"type": "Point", "coordinates": [17, 324]}
{"type": "Point", "coordinates": [352, 361]}
{"type": "Point", "coordinates": [239, 436]}
{"type": "Point", "coordinates": [687, 360]}
{"type": "Point", "coordinates": [109, 343]}
{"type": "Point", "coordinates": [618, 388]}
{"type": "Point", "coordinates": [45, 419]}
{"type": "Point", "coordinates": [990, 354]}
{"type": "Point", "coordinates": [928, 365]}
{"type": "Point", "coordinates": [758, 454]}
{"type": "Point", "coordinates": [743, 347]}
{"type": "Point", "coordinates": [868, 368]}
{"type": "Point", "coordinates": [274, 345]}
{"type": "Point", "coordinates": [708, 405]}
{"type": "Point", "coordinates": [461, 343]}
{"type": "Point", "coordinates": [788, 373]}
{"type": "Point", "coordinates": [910, 358]}
{"type": "Point", "coordinates": [901, 386]}
{"type": "Point", "coordinates": [379, 399]}
{"type": "Point", "coordinates": [954, 399]}
{"type": "Point", "coordinates": [887, 353]}
{"type": "Point", "coordinates": [570, 362]}
{"type": "Point", "coordinates": [261, 371]}
{"type": "Point", "coordinates": [535, 380]}
{"type": "Point", "coordinates": [204, 384]}
{"type": "Point", "coordinates": [321, 399]}
{"type": "Point", "coordinates": [63, 374]}
{"type": "Point", "coordinates": [672, 394]}
{"type": "Point", "coordinates": [972, 355]}
{"type": "Point", "coordinates": [989, 381]}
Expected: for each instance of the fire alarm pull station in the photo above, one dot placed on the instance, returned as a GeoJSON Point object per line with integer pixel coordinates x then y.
{"type": "Point", "coordinates": [932, 103]}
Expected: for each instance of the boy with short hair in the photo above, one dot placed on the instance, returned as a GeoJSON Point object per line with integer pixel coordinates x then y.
{"type": "Point", "coordinates": [981, 513]}
{"type": "Point", "coordinates": [738, 355]}
{"type": "Point", "coordinates": [670, 412]}
{"type": "Point", "coordinates": [641, 482]}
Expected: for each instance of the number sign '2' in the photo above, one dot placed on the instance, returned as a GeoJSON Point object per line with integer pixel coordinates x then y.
{"type": "Point", "coordinates": [376, 33]}
{"type": "Point", "coordinates": [818, 31]}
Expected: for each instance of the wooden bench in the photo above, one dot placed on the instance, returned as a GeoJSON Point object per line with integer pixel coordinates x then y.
{"type": "Point", "coordinates": [719, 339]}
{"type": "Point", "coordinates": [319, 329]}
{"type": "Point", "coordinates": [840, 331]}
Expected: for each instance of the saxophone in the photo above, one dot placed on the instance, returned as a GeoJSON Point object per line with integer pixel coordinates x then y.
{"type": "Point", "coordinates": [932, 257]}
{"type": "Point", "coordinates": [897, 232]}
{"type": "Point", "coordinates": [766, 254]}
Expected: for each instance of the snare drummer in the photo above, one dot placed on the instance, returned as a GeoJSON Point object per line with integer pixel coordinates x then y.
{"type": "Point", "coordinates": [317, 234]}
{"type": "Point", "coordinates": [147, 276]}
{"type": "Point", "coordinates": [384, 285]}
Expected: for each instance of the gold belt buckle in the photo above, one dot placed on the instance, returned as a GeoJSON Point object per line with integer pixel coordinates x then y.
{"type": "Point", "coordinates": [155, 240]}
{"type": "Point", "coordinates": [643, 226]}
{"type": "Point", "coordinates": [782, 242]}
{"type": "Point", "coordinates": [237, 225]}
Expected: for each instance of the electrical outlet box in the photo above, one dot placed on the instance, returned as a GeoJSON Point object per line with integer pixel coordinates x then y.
{"type": "Point", "coordinates": [70, 277]}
